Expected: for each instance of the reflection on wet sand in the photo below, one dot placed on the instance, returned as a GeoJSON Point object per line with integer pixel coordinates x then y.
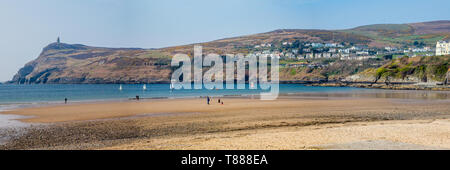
{"type": "Point", "coordinates": [403, 94]}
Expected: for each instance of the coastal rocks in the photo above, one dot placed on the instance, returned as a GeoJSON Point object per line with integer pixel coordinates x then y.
{"type": "Point", "coordinates": [358, 78]}
{"type": "Point", "coordinates": [392, 86]}
{"type": "Point", "coordinates": [20, 77]}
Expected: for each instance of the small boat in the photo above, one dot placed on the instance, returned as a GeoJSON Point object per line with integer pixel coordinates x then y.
{"type": "Point", "coordinates": [144, 87]}
{"type": "Point", "coordinates": [120, 88]}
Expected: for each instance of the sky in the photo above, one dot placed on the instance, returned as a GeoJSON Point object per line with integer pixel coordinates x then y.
{"type": "Point", "coordinates": [29, 25]}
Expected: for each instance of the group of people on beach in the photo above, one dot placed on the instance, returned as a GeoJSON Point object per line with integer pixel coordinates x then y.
{"type": "Point", "coordinates": [208, 99]}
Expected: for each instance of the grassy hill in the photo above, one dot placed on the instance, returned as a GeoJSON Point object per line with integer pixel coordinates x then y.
{"type": "Point", "coordinates": [404, 34]}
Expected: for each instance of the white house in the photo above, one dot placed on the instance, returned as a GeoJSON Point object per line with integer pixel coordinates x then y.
{"type": "Point", "coordinates": [442, 48]}
{"type": "Point", "coordinates": [362, 53]}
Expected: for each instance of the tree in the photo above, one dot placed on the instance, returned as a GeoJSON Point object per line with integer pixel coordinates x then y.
{"type": "Point", "coordinates": [388, 57]}
{"type": "Point", "coordinates": [296, 44]}
{"type": "Point", "coordinates": [379, 73]}
{"type": "Point", "coordinates": [421, 44]}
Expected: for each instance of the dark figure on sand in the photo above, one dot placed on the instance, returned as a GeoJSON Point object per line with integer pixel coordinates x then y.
{"type": "Point", "coordinates": [65, 100]}
{"type": "Point", "coordinates": [207, 99]}
{"type": "Point", "coordinates": [137, 97]}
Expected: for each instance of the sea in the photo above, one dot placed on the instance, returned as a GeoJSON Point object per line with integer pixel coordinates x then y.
{"type": "Point", "coordinates": [13, 95]}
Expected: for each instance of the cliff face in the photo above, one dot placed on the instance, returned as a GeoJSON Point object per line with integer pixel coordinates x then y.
{"type": "Point", "coordinates": [65, 63]}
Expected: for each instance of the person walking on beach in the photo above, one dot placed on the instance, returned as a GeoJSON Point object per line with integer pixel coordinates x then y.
{"type": "Point", "coordinates": [65, 100]}
{"type": "Point", "coordinates": [207, 99]}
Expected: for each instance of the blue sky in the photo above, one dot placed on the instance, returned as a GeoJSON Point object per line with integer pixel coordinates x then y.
{"type": "Point", "coordinates": [29, 25]}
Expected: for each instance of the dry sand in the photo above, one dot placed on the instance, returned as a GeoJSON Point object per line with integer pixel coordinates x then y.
{"type": "Point", "coordinates": [241, 123]}
{"type": "Point", "coordinates": [386, 135]}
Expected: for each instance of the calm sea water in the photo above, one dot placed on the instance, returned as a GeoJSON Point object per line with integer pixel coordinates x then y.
{"type": "Point", "coordinates": [14, 96]}
{"type": "Point", "coordinates": [48, 93]}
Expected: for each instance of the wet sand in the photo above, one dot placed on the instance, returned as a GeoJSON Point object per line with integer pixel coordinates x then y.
{"type": "Point", "coordinates": [10, 127]}
{"type": "Point", "coordinates": [241, 123]}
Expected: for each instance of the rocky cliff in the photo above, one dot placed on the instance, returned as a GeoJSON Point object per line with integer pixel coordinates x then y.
{"type": "Point", "coordinates": [66, 63]}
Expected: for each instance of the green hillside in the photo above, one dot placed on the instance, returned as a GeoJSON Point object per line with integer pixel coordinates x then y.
{"type": "Point", "coordinates": [398, 34]}
{"type": "Point", "coordinates": [425, 69]}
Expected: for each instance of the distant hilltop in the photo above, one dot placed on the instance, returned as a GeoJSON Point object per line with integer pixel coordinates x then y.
{"type": "Point", "coordinates": [303, 53]}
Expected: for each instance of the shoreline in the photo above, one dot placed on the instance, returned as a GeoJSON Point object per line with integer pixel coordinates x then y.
{"type": "Point", "coordinates": [12, 106]}
{"type": "Point", "coordinates": [418, 96]}
{"type": "Point", "coordinates": [164, 123]}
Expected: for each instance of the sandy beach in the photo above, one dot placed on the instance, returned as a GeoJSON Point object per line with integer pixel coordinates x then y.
{"type": "Point", "coordinates": [241, 123]}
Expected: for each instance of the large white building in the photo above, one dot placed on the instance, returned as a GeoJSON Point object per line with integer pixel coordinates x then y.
{"type": "Point", "coordinates": [442, 48]}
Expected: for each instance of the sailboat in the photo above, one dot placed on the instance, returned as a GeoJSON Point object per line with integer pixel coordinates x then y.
{"type": "Point", "coordinates": [144, 87]}
{"type": "Point", "coordinates": [171, 87]}
{"type": "Point", "coordinates": [120, 88]}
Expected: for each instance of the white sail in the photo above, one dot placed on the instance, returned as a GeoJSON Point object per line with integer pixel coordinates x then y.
{"type": "Point", "coordinates": [171, 87]}
{"type": "Point", "coordinates": [144, 87]}
{"type": "Point", "coordinates": [120, 88]}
